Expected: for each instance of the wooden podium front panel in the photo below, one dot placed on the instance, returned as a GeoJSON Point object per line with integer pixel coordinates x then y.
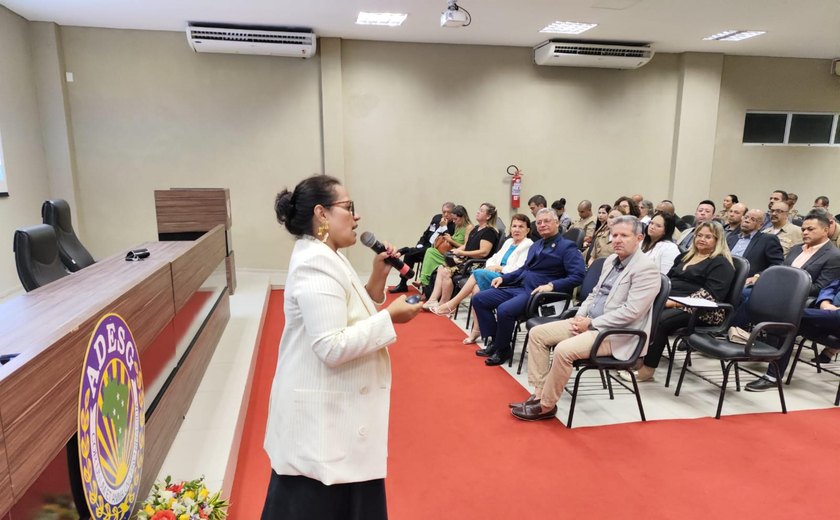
{"type": "Point", "coordinates": [190, 270]}
{"type": "Point", "coordinates": [6, 498]}
{"type": "Point", "coordinates": [188, 210]}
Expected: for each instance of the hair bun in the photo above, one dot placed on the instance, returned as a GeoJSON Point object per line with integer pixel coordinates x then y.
{"type": "Point", "coordinates": [284, 206]}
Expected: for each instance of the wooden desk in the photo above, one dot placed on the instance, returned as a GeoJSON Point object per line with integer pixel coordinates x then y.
{"type": "Point", "coordinates": [50, 327]}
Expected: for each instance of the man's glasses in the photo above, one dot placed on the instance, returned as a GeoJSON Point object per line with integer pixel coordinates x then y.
{"type": "Point", "coordinates": [349, 207]}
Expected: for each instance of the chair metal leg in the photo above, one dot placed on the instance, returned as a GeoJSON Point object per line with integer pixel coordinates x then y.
{"type": "Point", "coordinates": [737, 378]}
{"type": "Point", "coordinates": [609, 382]}
{"type": "Point", "coordinates": [796, 360]}
{"type": "Point", "coordinates": [723, 388]}
{"type": "Point", "coordinates": [469, 314]}
{"type": "Point", "coordinates": [671, 353]}
{"type": "Point", "coordinates": [781, 389]}
{"type": "Point", "coordinates": [816, 354]}
{"type": "Point", "coordinates": [574, 398]}
{"type": "Point", "coordinates": [684, 368]}
{"type": "Point", "coordinates": [638, 397]}
{"type": "Point", "coordinates": [837, 397]}
{"type": "Point", "coordinates": [522, 355]}
{"type": "Point", "coordinates": [603, 379]}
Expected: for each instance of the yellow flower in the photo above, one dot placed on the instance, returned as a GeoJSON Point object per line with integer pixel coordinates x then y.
{"type": "Point", "coordinates": [149, 510]}
{"type": "Point", "coordinates": [190, 494]}
{"type": "Point", "coordinates": [203, 493]}
{"type": "Point", "coordinates": [184, 517]}
{"type": "Point", "coordinates": [171, 501]}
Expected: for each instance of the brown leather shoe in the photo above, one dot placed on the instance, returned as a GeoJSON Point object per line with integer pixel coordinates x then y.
{"type": "Point", "coordinates": [533, 412]}
{"type": "Point", "coordinates": [532, 399]}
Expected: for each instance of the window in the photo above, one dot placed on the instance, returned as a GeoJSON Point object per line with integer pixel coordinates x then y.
{"type": "Point", "coordinates": [789, 128]}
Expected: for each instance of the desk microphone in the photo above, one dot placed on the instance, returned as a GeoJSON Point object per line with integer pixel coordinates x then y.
{"type": "Point", "coordinates": [369, 240]}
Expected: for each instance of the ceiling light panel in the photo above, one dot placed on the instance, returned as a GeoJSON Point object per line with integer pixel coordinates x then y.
{"type": "Point", "coordinates": [568, 27]}
{"type": "Point", "coordinates": [385, 19]}
{"type": "Point", "coordinates": [733, 35]}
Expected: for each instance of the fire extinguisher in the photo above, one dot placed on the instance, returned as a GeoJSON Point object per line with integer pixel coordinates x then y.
{"type": "Point", "coordinates": [515, 185]}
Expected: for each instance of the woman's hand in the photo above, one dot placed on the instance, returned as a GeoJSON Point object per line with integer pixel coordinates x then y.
{"type": "Point", "coordinates": [402, 311]}
{"type": "Point", "coordinates": [379, 264]}
{"type": "Point", "coordinates": [458, 251]}
{"type": "Point", "coordinates": [495, 268]}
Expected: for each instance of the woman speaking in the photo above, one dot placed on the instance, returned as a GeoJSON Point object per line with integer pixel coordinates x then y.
{"type": "Point", "coordinates": [327, 431]}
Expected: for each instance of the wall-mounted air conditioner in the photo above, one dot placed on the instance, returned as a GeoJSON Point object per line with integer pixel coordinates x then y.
{"type": "Point", "coordinates": [237, 39]}
{"type": "Point", "coordinates": [589, 54]}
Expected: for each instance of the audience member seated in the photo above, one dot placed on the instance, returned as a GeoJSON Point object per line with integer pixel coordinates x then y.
{"type": "Point", "coordinates": [823, 318]}
{"type": "Point", "coordinates": [645, 211]}
{"type": "Point", "coordinates": [658, 245]}
{"type": "Point", "coordinates": [481, 242]}
{"type": "Point", "coordinates": [628, 206]}
{"type": "Point", "coordinates": [601, 246]}
{"type": "Point", "coordinates": [775, 196]}
{"type": "Point", "coordinates": [789, 235]}
{"type": "Point", "coordinates": [603, 213]}
{"type": "Point", "coordinates": [821, 202]}
{"type": "Point", "coordinates": [560, 207]}
{"type": "Point", "coordinates": [761, 250]}
{"type": "Point", "coordinates": [440, 223]}
{"type": "Point", "coordinates": [833, 226]}
{"type": "Point", "coordinates": [585, 221]}
{"type": "Point", "coordinates": [816, 256]}
{"type": "Point", "coordinates": [728, 201]}
{"type": "Point", "coordinates": [792, 199]}
{"type": "Point", "coordinates": [434, 256]}
{"type": "Point", "coordinates": [553, 264]}
{"type": "Point", "coordinates": [704, 271]}
{"type": "Point", "coordinates": [510, 257]}
{"type": "Point", "coordinates": [623, 297]}
{"type": "Point", "coordinates": [704, 213]}
{"type": "Point", "coordinates": [536, 203]}
{"type": "Point", "coordinates": [733, 218]}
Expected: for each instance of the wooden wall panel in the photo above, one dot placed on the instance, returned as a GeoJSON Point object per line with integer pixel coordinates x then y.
{"type": "Point", "coordinates": [6, 498]}
{"type": "Point", "coordinates": [189, 210]}
{"type": "Point", "coordinates": [170, 411]}
{"type": "Point", "coordinates": [39, 399]}
{"type": "Point", "coordinates": [190, 270]}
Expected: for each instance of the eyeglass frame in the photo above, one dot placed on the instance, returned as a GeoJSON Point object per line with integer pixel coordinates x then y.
{"type": "Point", "coordinates": [351, 208]}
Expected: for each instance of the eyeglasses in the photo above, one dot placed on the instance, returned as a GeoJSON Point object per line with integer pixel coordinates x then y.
{"type": "Point", "coordinates": [777, 211]}
{"type": "Point", "coordinates": [350, 207]}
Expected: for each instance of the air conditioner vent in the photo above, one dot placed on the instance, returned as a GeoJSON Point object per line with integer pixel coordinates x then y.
{"type": "Point", "coordinates": [598, 55]}
{"type": "Point", "coordinates": [602, 51]}
{"type": "Point", "coordinates": [261, 40]}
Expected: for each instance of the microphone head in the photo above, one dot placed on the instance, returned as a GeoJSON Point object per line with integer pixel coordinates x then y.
{"type": "Point", "coordinates": [368, 239]}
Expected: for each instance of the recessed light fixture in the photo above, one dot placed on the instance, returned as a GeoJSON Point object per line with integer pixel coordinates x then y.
{"type": "Point", "coordinates": [733, 35]}
{"type": "Point", "coordinates": [387, 19]}
{"type": "Point", "coordinates": [568, 27]}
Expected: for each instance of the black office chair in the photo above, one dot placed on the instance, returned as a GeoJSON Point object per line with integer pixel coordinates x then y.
{"type": "Point", "coordinates": [539, 300]}
{"type": "Point", "coordinates": [576, 235]}
{"type": "Point", "coordinates": [74, 256]}
{"type": "Point", "coordinates": [36, 256]}
{"type": "Point", "coordinates": [733, 299]}
{"type": "Point", "coordinates": [829, 341]}
{"type": "Point", "coordinates": [606, 363]}
{"type": "Point", "coordinates": [688, 219]}
{"type": "Point", "coordinates": [776, 304]}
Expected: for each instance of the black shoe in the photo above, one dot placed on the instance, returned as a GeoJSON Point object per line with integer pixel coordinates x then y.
{"type": "Point", "coordinates": [532, 399]}
{"type": "Point", "coordinates": [822, 359]}
{"type": "Point", "coordinates": [760, 385]}
{"type": "Point", "coordinates": [498, 359]}
{"type": "Point", "coordinates": [484, 352]}
{"type": "Point", "coordinates": [402, 287]}
{"type": "Point", "coordinates": [533, 412]}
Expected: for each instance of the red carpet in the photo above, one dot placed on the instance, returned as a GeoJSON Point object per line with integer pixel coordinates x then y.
{"type": "Point", "coordinates": [457, 453]}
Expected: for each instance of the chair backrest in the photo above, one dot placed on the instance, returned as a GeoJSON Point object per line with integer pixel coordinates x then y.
{"type": "Point", "coordinates": [742, 269]}
{"type": "Point", "coordinates": [576, 235]}
{"type": "Point", "coordinates": [797, 221]}
{"type": "Point", "coordinates": [73, 254]}
{"type": "Point", "coordinates": [688, 219]}
{"type": "Point", "coordinates": [36, 256]}
{"type": "Point", "coordinates": [659, 304]}
{"type": "Point", "coordinates": [591, 278]}
{"type": "Point", "coordinates": [779, 295]}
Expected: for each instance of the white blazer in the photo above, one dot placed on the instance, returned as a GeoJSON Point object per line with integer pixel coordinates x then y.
{"type": "Point", "coordinates": [663, 255]}
{"type": "Point", "coordinates": [328, 414]}
{"type": "Point", "coordinates": [515, 260]}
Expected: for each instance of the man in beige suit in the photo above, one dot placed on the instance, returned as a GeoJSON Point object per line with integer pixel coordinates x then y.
{"type": "Point", "coordinates": [623, 298]}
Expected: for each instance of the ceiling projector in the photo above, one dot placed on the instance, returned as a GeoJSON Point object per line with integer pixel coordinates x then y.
{"type": "Point", "coordinates": [454, 16]}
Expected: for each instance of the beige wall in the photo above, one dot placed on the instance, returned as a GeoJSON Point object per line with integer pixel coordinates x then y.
{"type": "Point", "coordinates": [23, 148]}
{"type": "Point", "coordinates": [148, 114]}
{"type": "Point", "coordinates": [753, 172]}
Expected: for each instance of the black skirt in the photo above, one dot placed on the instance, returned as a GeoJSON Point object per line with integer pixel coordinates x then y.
{"type": "Point", "coordinates": [303, 498]}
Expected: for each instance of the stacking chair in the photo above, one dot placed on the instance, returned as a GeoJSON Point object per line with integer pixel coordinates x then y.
{"type": "Point", "coordinates": [73, 254]}
{"type": "Point", "coordinates": [538, 300]}
{"type": "Point", "coordinates": [606, 363]}
{"type": "Point", "coordinates": [733, 299]}
{"type": "Point", "coordinates": [576, 235]}
{"type": "Point", "coordinates": [36, 256]}
{"type": "Point", "coordinates": [776, 305]}
{"type": "Point", "coordinates": [830, 341]}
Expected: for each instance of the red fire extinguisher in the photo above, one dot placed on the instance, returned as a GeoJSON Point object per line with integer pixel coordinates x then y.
{"type": "Point", "coordinates": [515, 185]}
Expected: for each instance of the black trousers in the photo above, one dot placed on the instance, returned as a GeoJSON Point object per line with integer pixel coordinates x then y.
{"type": "Point", "coordinates": [302, 498]}
{"type": "Point", "coordinates": [414, 255]}
{"type": "Point", "coordinates": [670, 321]}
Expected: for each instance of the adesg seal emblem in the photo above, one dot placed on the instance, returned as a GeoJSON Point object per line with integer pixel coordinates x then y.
{"type": "Point", "coordinates": [111, 421]}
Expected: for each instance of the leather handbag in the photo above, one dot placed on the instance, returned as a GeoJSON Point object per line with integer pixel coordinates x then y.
{"type": "Point", "coordinates": [442, 245]}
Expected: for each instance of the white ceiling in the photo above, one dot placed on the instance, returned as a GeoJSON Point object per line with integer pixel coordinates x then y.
{"type": "Point", "coordinates": [795, 28]}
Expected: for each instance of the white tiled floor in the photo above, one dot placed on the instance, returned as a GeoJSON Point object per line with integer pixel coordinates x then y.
{"type": "Point", "coordinates": [204, 440]}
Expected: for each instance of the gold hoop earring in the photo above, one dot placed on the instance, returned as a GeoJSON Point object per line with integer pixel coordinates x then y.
{"type": "Point", "coordinates": [323, 231]}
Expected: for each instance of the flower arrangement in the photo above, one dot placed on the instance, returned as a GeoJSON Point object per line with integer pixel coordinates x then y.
{"type": "Point", "coordinates": [182, 501]}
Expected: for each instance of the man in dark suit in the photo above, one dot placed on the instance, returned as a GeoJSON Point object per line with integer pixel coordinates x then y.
{"type": "Point", "coordinates": [761, 250]}
{"type": "Point", "coordinates": [553, 264]}
{"type": "Point", "coordinates": [821, 260]}
{"type": "Point", "coordinates": [440, 223]}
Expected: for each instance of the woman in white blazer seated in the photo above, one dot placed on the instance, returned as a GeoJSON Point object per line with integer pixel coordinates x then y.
{"type": "Point", "coordinates": [510, 257]}
{"type": "Point", "coordinates": [658, 245]}
{"type": "Point", "coordinates": [327, 431]}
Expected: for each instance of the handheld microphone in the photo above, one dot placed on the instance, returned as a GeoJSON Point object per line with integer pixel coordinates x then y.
{"type": "Point", "coordinates": [369, 240]}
